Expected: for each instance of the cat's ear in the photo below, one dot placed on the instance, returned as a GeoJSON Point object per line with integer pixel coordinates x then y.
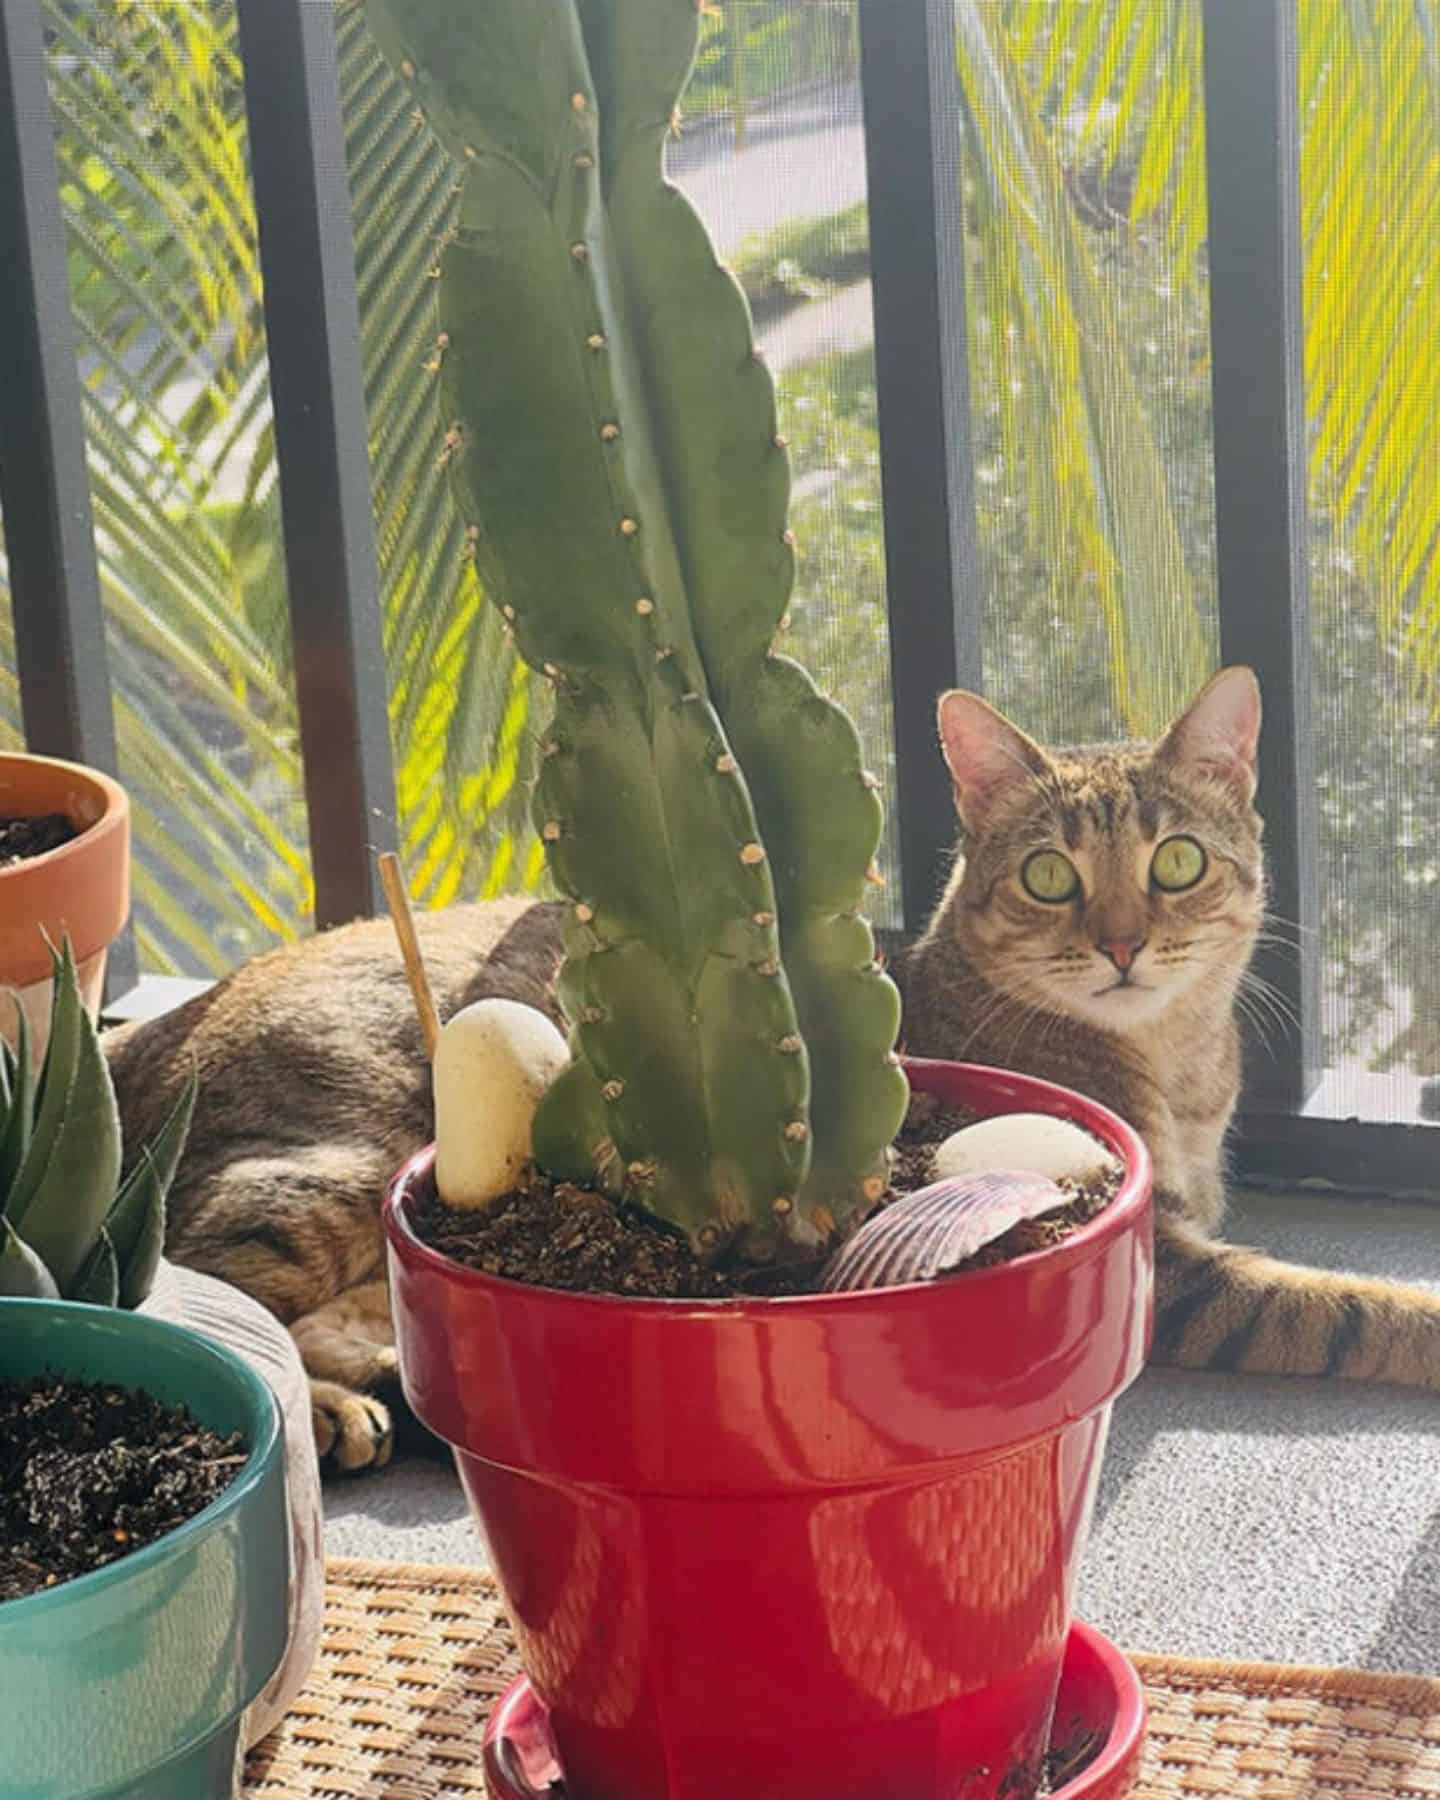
{"type": "Point", "coordinates": [986, 754]}
{"type": "Point", "coordinates": [1220, 733]}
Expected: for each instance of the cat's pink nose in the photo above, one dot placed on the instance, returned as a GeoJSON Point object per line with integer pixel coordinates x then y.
{"type": "Point", "coordinates": [1121, 951]}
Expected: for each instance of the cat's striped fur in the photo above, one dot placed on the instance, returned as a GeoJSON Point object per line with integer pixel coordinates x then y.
{"type": "Point", "coordinates": [314, 1088]}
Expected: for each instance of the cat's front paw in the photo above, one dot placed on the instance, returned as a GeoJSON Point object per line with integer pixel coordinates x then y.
{"type": "Point", "coordinates": [353, 1432]}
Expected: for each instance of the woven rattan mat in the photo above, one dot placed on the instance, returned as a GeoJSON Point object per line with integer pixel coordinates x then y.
{"type": "Point", "coordinates": [414, 1656]}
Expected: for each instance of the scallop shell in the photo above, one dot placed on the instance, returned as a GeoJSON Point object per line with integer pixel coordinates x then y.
{"type": "Point", "coordinates": [932, 1231]}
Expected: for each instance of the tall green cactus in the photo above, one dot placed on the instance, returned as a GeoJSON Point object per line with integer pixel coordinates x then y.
{"type": "Point", "coordinates": [613, 436]}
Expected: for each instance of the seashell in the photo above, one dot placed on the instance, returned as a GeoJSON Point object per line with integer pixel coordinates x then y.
{"type": "Point", "coordinates": [1038, 1142]}
{"type": "Point", "coordinates": [932, 1231]}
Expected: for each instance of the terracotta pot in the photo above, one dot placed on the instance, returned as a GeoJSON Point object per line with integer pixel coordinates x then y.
{"type": "Point", "coordinates": [82, 889]}
{"type": "Point", "coordinates": [821, 1546]}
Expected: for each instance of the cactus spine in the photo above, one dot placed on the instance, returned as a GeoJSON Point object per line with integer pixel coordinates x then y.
{"type": "Point", "coordinates": [613, 438]}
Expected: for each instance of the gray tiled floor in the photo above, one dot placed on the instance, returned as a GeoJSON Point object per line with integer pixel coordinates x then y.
{"type": "Point", "coordinates": [1294, 1521]}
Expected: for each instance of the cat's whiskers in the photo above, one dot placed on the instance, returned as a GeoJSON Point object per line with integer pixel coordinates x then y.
{"type": "Point", "coordinates": [1259, 992]}
{"type": "Point", "coordinates": [1000, 1011]}
{"type": "Point", "coordinates": [1250, 995]}
{"type": "Point", "coordinates": [1271, 941]}
{"type": "Point", "coordinates": [1263, 1027]}
{"type": "Point", "coordinates": [1270, 918]}
{"type": "Point", "coordinates": [996, 1005]}
{"type": "Point", "coordinates": [1025, 996]}
{"type": "Point", "coordinates": [1250, 981]}
{"type": "Point", "coordinates": [1050, 1027]}
{"type": "Point", "coordinates": [1035, 1009]}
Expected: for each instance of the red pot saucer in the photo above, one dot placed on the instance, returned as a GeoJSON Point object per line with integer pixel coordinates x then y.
{"type": "Point", "coordinates": [1100, 1696]}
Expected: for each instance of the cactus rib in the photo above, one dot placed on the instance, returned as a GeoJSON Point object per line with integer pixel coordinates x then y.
{"type": "Point", "coordinates": [728, 487]}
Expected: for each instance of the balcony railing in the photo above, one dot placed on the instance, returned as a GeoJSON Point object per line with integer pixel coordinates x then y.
{"type": "Point", "coordinates": [913, 160]}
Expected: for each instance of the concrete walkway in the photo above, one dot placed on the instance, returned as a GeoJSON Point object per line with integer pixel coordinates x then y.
{"type": "Point", "coordinates": [1286, 1521]}
{"type": "Point", "coordinates": [804, 159]}
{"type": "Point", "coordinates": [841, 322]}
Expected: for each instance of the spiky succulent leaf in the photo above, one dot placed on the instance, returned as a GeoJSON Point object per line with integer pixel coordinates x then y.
{"type": "Point", "coordinates": [22, 1274]}
{"type": "Point", "coordinates": [53, 1084]}
{"type": "Point", "coordinates": [14, 1112]}
{"type": "Point", "coordinates": [74, 1187]}
{"type": "Point", "coordinates": [81, 1239]}
{"type": "Point", "coordinates": [97, 1283]}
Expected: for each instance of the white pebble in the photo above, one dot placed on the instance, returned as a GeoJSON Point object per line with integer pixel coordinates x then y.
{"type": "Point", "coordinates": [493, 1062]}
{"type": "Point", "coordinates": [1036, 1142]}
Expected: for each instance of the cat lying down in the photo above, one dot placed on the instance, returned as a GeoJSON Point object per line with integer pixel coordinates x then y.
{"type": "Point", "coordinates": [1097, 931]}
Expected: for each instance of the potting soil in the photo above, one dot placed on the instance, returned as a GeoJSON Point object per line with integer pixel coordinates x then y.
{"type": "Point", "coordinates": [554, 1234]}
{"type": "Point", "coordinates": [558, 1235]}
{"type": "Point", "coordinates": [22, 838]}
{"type": "Point", "coordinates": [90, 1473]}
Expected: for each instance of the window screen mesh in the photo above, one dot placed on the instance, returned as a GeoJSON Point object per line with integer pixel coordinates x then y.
{"type": "Point", "coordinates": [1370, 204]}
{"type": "Point", "coordinates": [1088, 311]}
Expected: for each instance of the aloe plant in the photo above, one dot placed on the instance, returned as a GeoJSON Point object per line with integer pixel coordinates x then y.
{"type": "Point", "coordinates": [70, 1228]}
{"type": "Point", "coordinates": [613, 439]}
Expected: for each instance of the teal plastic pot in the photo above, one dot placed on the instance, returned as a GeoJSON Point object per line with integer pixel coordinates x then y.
{"type": "Point", "coordinates": [131, 1683]}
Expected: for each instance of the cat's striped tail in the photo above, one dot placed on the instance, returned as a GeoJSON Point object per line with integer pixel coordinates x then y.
{"type": "Point", "coordinates": [1221, 1307]}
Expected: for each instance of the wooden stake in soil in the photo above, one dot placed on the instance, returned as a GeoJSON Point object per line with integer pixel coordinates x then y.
{"type": "Point", "coordinates": [403, 920]}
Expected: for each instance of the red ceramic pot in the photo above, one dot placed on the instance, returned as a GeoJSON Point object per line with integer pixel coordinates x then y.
{"type": "Point", "coordinates": [820, 1547]}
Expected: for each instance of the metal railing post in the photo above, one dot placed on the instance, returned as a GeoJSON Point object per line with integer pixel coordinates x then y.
{"type": "Point", "coordinates": [912, 150]}
{"type": "Point", "coordinates": [44, 481]}
{"type": "Point", "coordinates": [1253, 169]}
{"type": "Point", "coordinates": [312, 322]}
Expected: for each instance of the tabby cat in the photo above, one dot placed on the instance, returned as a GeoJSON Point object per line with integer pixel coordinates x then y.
{"type": "Point", "coordinates": [1096, 930]}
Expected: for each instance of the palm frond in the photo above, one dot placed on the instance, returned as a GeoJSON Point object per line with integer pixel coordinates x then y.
{"type": "Point", "coordinates": [1369, 106]}
{"type": "Point", "coordinates": [1076, 447]}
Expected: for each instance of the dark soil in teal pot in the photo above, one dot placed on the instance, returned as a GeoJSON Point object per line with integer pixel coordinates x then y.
{"type": "Point", "coordinates": [91, 1473]}
{"type": "Point", "coordinates": [131, 1682]}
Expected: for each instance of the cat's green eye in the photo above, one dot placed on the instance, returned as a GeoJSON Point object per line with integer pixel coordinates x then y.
{"type": "Point", "coordinates": [1049, 876]}
{"type": "Point", "coordinates": [1178, 864]}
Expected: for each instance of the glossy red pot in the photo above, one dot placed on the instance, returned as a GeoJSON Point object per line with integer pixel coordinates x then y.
{"type": "Point", "coordinates": [820, 1547]}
